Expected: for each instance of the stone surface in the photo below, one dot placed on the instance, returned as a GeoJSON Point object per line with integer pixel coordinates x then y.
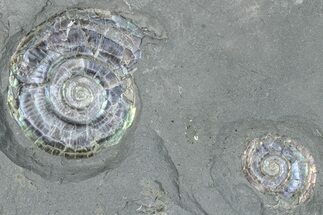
{"type": "Point", "coordinates": [214, 66]}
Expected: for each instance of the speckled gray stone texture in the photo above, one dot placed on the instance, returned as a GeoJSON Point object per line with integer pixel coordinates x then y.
{"type": "Point", "coordinates": [223, 63]}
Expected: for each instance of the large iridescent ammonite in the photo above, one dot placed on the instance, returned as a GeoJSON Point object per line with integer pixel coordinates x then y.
{"type": "Point", "coordinates": [280, 166]}
{"type": "Point", "coordinates": [71, 88]}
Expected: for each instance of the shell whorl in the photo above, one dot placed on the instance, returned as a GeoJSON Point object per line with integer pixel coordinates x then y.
{"type": "Point", "coordinates": [71, 88]}
{"type": "Point", "coordinates": [280, 166]}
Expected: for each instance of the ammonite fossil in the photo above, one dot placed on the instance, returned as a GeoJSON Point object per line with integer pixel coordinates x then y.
{"type": "Point", "coordinates": [280, 166]}
{"type": "Point", "coordinates": [268, 166]}
{"type": "Point", "coordinates": [71, 88]}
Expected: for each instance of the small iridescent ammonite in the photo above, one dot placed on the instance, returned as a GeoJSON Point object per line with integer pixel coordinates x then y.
{"type": "Point", "coordinates": [71, 88]}
{"type": "Point", "coordinates": [280, 166]}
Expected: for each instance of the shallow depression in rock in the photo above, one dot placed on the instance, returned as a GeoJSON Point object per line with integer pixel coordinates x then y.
{"type": "Point", "coordinates": [72, 93]}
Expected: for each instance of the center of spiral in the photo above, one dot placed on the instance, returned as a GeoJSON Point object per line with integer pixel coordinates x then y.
{"type": "Point", "coordinates": [271, 166]}
{"type": "Point", "coordinates": [78, 92]}
{"type": "Point", "coordinates": [82, 94]}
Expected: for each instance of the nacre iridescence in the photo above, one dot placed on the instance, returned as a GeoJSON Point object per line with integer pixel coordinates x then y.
{"type": "Point", "coordinates": [71, 88]}
{"type": "Point", "coordinates": [280, 166]}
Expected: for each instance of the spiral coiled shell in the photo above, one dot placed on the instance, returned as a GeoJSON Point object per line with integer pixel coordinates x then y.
{"type": "Point", "coordinates": [71, 88]}
{"type": "Point", "coordinates": [280, 166]}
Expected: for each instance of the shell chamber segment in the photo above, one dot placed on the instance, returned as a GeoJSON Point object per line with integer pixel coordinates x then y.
{"type": "Point", "coordinates": [280, 166]}
{"type": "Point", "coordinates": [70, 83]}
